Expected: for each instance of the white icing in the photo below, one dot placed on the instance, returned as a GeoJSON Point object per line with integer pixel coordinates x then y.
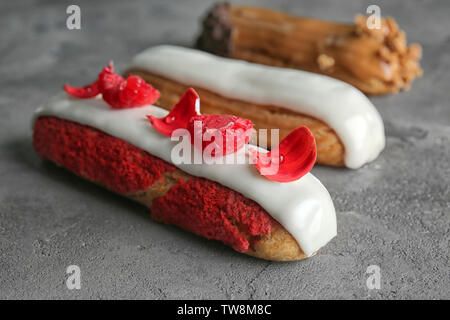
{"type": "Point", "coordinates": [344, 108]}
{"type": "Point", "coordinates": [304, 207]}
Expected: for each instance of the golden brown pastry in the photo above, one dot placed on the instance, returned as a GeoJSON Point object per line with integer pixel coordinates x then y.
{"type": "Point", "coordinates": [376, 61]}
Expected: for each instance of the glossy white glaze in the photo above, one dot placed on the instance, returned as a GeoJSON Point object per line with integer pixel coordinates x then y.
{"type": "Point", "coordinates": [304, 207]}
{"type": "Point", "coordinates": [343, 107]}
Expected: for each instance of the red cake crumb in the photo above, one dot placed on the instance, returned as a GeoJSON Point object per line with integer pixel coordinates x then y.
{"type": "Point", "coordinates": [196, 204]}
{"type": "Point", "coordinates": [213, 211]}
{"type": "Point", "coordinates": [97, 156]}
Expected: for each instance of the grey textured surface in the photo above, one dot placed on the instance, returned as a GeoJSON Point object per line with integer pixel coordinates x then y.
{"type": "Point", "coordinates": [393, 212]}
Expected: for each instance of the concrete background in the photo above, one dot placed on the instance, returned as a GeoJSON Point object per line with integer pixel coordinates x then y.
{"type": "Point", "coordinates": [393, 212]}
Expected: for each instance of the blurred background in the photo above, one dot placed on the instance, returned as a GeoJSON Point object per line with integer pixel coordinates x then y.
{"type": "Point", "coordinates": [393, 213]}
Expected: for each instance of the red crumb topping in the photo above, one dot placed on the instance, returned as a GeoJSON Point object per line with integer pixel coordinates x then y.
{"type": "Point", "coordinates": [212, 211]}
{"type": "Point", "coordinates": [198, 205]}
{"type": "Point", "coordinates": [97, 156]}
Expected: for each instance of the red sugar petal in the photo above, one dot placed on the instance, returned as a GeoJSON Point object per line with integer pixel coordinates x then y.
{"type": "Point", "coordinates": [109, 84]}
{"type": "Point", "coordinates": [179, 116]}
{"type": "Point", "coordinates": [93, 89]}
{"type": "Point", "coordinates": [86, 92]}
{"type": "Point", "coordinates": [295, 156]}
{"type": "Point", "coordinates": [135, 92]}
{"type": "Point", "coordinates": [116, 91]}
{"type": "Point", "coordinates": [235, 131]}
{"type": "Point", "coordinates": [108, 80]}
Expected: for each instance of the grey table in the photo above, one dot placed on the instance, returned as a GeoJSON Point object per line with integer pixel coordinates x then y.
{"type": "Point", "coordinates": [393, 213]}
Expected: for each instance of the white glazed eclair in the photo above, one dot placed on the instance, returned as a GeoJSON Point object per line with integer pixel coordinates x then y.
{"type": "Point", "coordinates": [348, 129]}
{"type": "Point", "coordinates": [119, 149]}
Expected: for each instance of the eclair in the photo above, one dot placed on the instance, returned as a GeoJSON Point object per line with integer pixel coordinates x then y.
{"type": "Point", "coordinates": [347, 128]}
{"type": "Point", "coordinates": [110, 133]}
{"type": "Point", "coordinates": [375, 58]}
